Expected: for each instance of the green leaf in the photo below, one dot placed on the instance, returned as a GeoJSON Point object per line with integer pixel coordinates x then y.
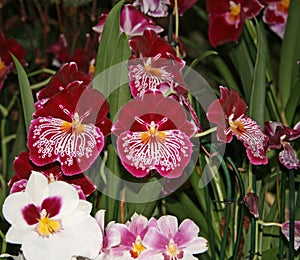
{"type": "Point", "coordinates": [26, 94]}
{"type": "Point", "coordinates": [244, 66]}
{"type": "Point", "coordinates": [258, 93]}
{"type": "Point", "coordinates": [109, 39]}
{"type": "Point", "coordinates": [290, 53]}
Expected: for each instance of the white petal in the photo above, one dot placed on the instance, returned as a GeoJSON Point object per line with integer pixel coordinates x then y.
{"type": "Point", "coordinates": [84, 206]}
{"type": "Point", "coordinates": [81, 236]}
{"type": "Point", "coordinates": [69, 195]}
{"type": "Point", "coordinates": [16, 235]}
{"type": "Point", "coordinates": [37, 187]}
{"type": "Point", "coordinates": [12, 208]}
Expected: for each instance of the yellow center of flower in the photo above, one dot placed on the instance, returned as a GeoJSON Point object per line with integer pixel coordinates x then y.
{"type": "Point", "coordinates": [237, 126]}
{"type": "Point", "coordinates": [235, 10]}
{"type": "Point", "coordinates": [172, 250]}
{"type": "Point", "coordinates": [2, 65]}
{"type": "Point", "coordinates": [158, 136]}
{"type": "Point", "coordinates": [152, 71]}
{"type": "Point", "coordinates": [283, 6]}
{"type": "Point", "coordinates": [47, 226]}
{"type": "Point", "coordinates": [137, 247]}
{"type": "Point", "coordinates": [75, 127]}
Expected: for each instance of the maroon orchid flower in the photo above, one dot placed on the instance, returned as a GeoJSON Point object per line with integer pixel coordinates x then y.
{"type": "Point", "coordinates": [8, 46]}
{"type": "Point", "coordinates": [228, 113]}
{"type": "Point", "coordinates": [285, 229]}
{"type": "Point", "coordinates": [227, 18]}
{"type": "Point", "coordinates": [69, 128]}
{"type": "Point", "coordinates": [183, 5]}
{"type": "Point", "coordinates": [154, 134]}
{"type": "Point", "coordinates": [279, 138]}
{"type": "Point", "coordinates": [23, 167]}
{"type": "Point", "coordinates": [65, 75]}
{"type": "Point", "coordinates": [275, 15]}
{"type": "Point", "coordinates": [83, 57]}
{"type": "Point", "coordinates": [132, 22]}
{"type": "Point", "coordinates": [154, 65]}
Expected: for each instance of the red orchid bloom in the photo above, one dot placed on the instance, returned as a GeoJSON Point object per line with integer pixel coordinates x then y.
{"type": "Point", "coordinates": [6, 62]}
{"type": "Point", "coordinates": [83, 57]}
{"type": "Point", "coordinates": [69, 128]}
{"type": "Point", "coordinates": [153, 65]}
{"type": "Point", "coordinates": [228, 113]}
{"type": "Point", "coordinates": [132, 22]}
{"type": "Point", "coordinates": [275, 15]}
{"type": "Point", "coordinates": [183, 5]}
{"type": "Point", "coordinates": [23, 167]}
{"type": "Point", "coordinates": [154, 134]}
{"type": "Point", "coordinates": [227, 18]}
{"type": "Point", "coordinates": [279, 138]}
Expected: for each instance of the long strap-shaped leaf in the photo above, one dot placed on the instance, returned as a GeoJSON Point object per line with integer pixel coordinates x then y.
{"type": "Point", "coordinates": [290, 53]}
{"type": "Point", "coordinates": [26, 93]}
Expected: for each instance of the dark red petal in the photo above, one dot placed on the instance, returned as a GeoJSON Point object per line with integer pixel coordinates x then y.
{"type": "Point", "coordinates": [31, 214]}
{"type": "Point", "coordinates": [251, 7]}
{"type": "Point", "coordinates": [52, 205]}
{"type": "Point", "coordinates": [17, 186]}
{"type": "Point", "coordinates": [218, 7]}
{"type": "Point", "coordinates": [66, 74]}
{"type": "Point", "coordinates": [220, 31]}
{"type": "Point", "coordinates": [84, 182]}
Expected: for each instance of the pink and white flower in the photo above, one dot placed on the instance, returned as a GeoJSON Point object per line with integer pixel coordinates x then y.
{"type": "Point", "coordinates": [151, 136]}
{"type": "Point", "coordinates": [275, 15]}
{"type": "Point", "coordinates": [155, 8]}
{"type": "Point", "coordinates": [228, 113]}
{"type": "Point", "coordinates": [132, 22]}
{"type": "Point", "coordinates": [166, 240]}
{"type": "Point", "coordinates": [51, 222]}
{"type": "Point", "coordinates": [69, 128]}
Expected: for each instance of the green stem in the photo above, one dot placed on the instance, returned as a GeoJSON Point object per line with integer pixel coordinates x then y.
{"type": "Point", "coordinates": [281, 213]}
{"type": "Point", "coordinates": [268, 224]}
{"type": "Point", "coordinates": [40, 84]}
{"type": "Point", "coordinates": [227, 209]}
{"type": "Point", "coordinates": [44, 70]}
{"type": "Point", "coordinates": [211, 130]}
{"type": "Point", "coordinates": [292, 213]}
{"type": "Point", "coordinates": [4, 245]}
{"type": "Point", "coordinates": [209, 216]}
{"type": "Point", "coordinates": [254, 235]}
{"type": "Point", "coordinates": [240, 210]}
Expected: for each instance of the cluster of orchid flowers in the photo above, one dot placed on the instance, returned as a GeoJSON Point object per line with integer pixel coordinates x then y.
{"type": "Point", "coordinates": [47, 207]}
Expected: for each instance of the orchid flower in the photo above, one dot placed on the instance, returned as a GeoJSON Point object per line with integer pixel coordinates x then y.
{"type": "Point", "coordinates": [154, 65]}
{"type": "Point", "coordinates": [227, 18]}
{"type": "Point", "coordinates": [50, 221]}
{"type": "Point", "coordinates": [83, 57]}
{"type": "Point", "coordinates": [132, 22]}
{"type": "Point", "coordinates": [279, 138]}
{"type": "Point", "coordinates": [275, 15]}
{"type": "Point", "coordinates": [285, 229]}
{"type": "Point", "coordinates": [111, 239]}
{"type": "Point", "coordinates": [6, 62]}
{"type": "Point", "coordinates": [151, 136]}
{"type": "Point", "coordinates": [228, 113]}
{"type": "Point", "coordinates": [23, 168]}
{"type": "Point", "coordinates": [132, 235]}
{"type": "Point", "coordinates": [155, 8]}
{"type": "Point", "coordinates": [69, 128]}
{"type": "Point", "coordinates": [183, 5]}
{"type": "Point", "coordinates": [166, 240]}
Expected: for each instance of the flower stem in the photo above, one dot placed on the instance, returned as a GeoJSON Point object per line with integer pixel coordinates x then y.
{"type": "Point", "coordinates": [4, 245]}
{"type": "Point", "coordinates": [176, 26]}
{"type": "Point", "coordinates": [268, 224]}
{"type": "Point", "coordinates": [292, 213]}
{"type": "Point", "coordinates": [281, 213]}
{"type": "Point", "coordinates": [213, 129]}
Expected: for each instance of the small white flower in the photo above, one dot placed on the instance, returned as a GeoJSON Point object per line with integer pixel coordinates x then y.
{"type": "Point", "coordinates": [51, 222]}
